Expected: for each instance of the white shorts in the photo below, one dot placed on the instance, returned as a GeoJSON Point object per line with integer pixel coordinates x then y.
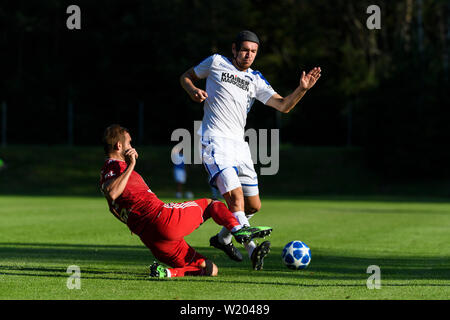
{"type": "Point", "coordinates": [220, 153]}
{"type": "Point", "coordinates": [179, 175]}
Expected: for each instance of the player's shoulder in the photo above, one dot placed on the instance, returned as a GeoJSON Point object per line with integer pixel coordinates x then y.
{"type": "Point", "coordinates": [223, 62]}
{"type": "Point", "coordinates": [210, 59]}
{"type": "Point", "coordinates": [109, 161]}
{"type": "Point", "coordinates": [112, 163]}
{"type": "Point", "coordinates": [211, 62]}
{"type": "Point", "coordinates": [111, 168]}
{"type": "Point", "coordinates": [218, 62]}
{"type": "Point", "coordinates": [258, 76]}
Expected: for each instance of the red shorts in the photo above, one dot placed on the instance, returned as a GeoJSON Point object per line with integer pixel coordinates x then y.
{"type": "Point", "coordinates": [165, 235]}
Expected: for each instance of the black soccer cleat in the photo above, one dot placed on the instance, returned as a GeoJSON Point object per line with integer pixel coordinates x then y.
{"type": "Point", "coordinates": [231, 251]}
{"type": "Point", "coordinates": [247, 233]}
{"type": "Point", "coordinates": [259, 254]}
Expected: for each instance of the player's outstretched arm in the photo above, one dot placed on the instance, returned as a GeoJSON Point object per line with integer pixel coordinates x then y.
{"type": "Point", "coordinates": [187, 80]}
{"type": "Point", "coordinates": [307, 81]}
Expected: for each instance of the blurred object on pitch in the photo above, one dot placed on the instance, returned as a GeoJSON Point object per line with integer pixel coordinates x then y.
{"type": "Point", "coordinates": [2, 164]}
{"type": "Point", "coordinates": [179, 173]}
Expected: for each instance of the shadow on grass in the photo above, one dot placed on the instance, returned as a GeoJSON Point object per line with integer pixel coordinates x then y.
{"type": "Point", "coordinates": [61, 273]}
{"type": "Point", "coordinates": [126, 262]}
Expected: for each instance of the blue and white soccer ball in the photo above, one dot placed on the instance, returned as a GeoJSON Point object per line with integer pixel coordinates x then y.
{"type": "Point", "coordinates": [296, 255]}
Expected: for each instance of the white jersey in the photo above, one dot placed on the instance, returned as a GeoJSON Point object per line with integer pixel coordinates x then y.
{"type": "Point", "coordinates": [231, 94]}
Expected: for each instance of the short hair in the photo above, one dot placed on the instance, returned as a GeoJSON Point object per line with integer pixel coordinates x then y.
{"type": "Point", "coordinates": [113, 134]}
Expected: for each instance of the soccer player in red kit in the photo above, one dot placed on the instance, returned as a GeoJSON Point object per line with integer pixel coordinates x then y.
{"type": "Point", "coordinates": [161, 226]}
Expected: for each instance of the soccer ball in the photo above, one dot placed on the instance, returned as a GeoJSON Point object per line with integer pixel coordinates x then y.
{"type": "Point", "coordinates": [296, 255]}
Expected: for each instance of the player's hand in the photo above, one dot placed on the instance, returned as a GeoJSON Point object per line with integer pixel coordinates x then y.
{"type": "Point", "coordinates": [131, 156]}
{"type": "Point", "coordinates": [199, 95]}
{"type": "Point", "coordinates": [307, 81]}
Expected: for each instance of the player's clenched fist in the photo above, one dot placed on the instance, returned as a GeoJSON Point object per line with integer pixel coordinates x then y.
{"type": "Point", "coordinates": [131, 155]}
{"type": "Point", "coordinates": [199, 95]}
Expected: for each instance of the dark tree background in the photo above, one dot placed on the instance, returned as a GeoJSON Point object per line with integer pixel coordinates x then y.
{"type": "Point", "coordinates": [385, 90]}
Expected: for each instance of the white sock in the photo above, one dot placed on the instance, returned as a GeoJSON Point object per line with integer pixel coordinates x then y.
{"type": "Point", "coordinates": [250, 246]}
{"type": "Point", "coordinates": [225, 236]}
{"type": "Point", "coordinates": [240, 216]}
{"type": "Point", "coordinates": [237, 228]}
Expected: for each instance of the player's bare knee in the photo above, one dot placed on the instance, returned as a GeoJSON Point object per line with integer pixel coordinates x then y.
{"type": "Point", "coordinates": [252, 208]}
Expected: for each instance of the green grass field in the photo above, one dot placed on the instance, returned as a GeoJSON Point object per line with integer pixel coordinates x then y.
{"type": "Point", "coordinates": [41, 236]}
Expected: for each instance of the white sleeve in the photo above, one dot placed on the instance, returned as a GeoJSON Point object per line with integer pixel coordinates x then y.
{"type": "Point", "coordinates": [264, 90]}
{"type": "Point", "coordinates": [203, 68]}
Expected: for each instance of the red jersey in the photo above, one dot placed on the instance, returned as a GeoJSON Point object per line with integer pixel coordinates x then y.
{"type": "Point", "coordinates": [136, 200]}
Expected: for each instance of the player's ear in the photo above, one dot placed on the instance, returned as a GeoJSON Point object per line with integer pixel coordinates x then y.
{"type": "Point", "coordinates": [117, 145]}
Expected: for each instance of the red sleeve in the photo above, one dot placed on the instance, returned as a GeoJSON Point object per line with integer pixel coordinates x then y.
{"type": "Point", "coordinates": [110, 171]}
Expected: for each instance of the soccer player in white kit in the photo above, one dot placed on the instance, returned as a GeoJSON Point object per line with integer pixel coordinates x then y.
{"type": "Point", "coordinates": [231, 88]}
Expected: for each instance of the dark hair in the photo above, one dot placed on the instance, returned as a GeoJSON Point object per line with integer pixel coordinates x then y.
{"type": "Point", "coordinates": [113, 134]}
{"type": "Point", "coordinates": [245, 35]}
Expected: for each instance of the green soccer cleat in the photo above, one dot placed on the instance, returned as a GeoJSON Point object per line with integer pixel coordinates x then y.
{"type": "Point", "coordinates": [158, 271]}
{"type": "Point", "coordinates": [246, 233]}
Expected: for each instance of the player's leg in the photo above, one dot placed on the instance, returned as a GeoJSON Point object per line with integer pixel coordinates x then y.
{"type": "Point", "coordinates": [249, 192]}
{"type": "Point", "coordinates": [181, 260]}
{"type": "Point", "coordinates": [218, 163]}
{"type": "Point", "coordinates": [178, 220]}
{"type": "Point", "coordinates": [162, 237]}
{"type": "Point", "coordinates": [225, 179]}
{"type": "Point", "coordinates": [204, 268]}
{"type": "Point", "coordinates": [235, 201]}
{"type": "Point", "coordinates": [222, 216]}
{"type": "Point", "coordinates": [207, 268]}
{"type": "Point", "coordinates": [252, 205]}
{"type": "Point", "coordinates": [219, 159]}
{"type": "Point", "coordinates": [249, 182]}
{"type": "Point", "coordinates": [228, 184]}
{"type": "Point", "coordinates": [230, 188]}
{"type": "Point", "coordinates": [243, 234]}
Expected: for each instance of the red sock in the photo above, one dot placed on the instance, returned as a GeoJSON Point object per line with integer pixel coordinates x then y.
{"type": "Point", "coordinates": [220, 214]}
{"type": "Point", "coordinates": [187, 271]}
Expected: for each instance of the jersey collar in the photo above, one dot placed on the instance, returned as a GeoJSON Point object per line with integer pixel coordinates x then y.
{"type": "Point", "coordinates": [231, 62]}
